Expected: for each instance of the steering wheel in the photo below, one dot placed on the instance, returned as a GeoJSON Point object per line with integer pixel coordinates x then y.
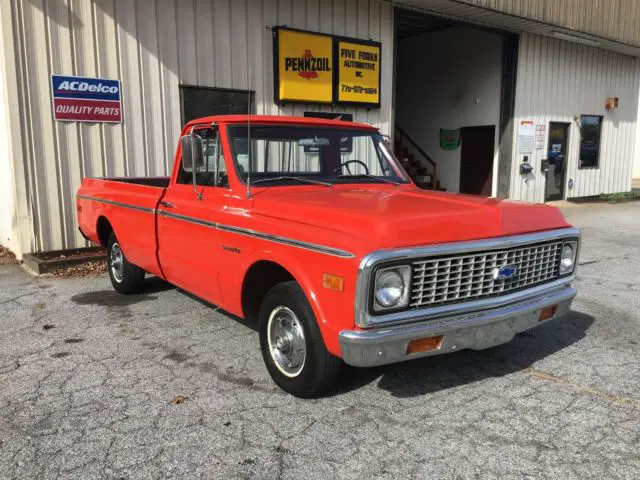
{"type": "Point", "coordinates": [346, 164]}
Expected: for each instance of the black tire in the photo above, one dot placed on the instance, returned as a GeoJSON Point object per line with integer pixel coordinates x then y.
{"type": "Point", "coordinates": [320, 369]}
{"type": "Point", "coordinates": [132, 277]}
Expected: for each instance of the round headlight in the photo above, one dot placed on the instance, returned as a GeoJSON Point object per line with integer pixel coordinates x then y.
{"type": "Point", "coordinates": [389, 288]}
{"type": "Point", "coordinates": [566, 259]}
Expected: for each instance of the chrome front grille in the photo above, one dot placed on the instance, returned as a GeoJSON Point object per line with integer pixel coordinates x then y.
{"type": "Point", "coordinates": [457, 278]}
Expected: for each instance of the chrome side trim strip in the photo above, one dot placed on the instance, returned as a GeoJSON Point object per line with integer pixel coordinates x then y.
{"type": "Point", "coordinates": [287, 241]}
{"type": "Point", "coordinates": [118, 204]}
{"type": "Point", "coordinates": [314, 247]}
{"type": "Point", "coordinates": [363, 284]}
{"type": "Point", "coordinates": [185, 218]}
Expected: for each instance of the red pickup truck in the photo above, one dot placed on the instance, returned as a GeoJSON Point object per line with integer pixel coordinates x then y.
{"type": "Point", "coordinates": [312, 228]}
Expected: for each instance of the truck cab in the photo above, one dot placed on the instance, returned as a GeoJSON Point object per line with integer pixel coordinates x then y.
{"type": "Point", "coordinates": [311, 228]}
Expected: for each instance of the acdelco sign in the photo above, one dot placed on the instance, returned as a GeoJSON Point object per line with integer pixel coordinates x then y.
{"type": "Point", "coordinates": [87, 87]}
{"type": "Point", "coordinates": [85, 99]}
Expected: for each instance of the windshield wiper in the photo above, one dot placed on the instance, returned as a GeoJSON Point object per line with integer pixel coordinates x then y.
{"type": "Point", "coordinates": [366, 175]}
{"type": "Point", "coordinates": [286, 177]}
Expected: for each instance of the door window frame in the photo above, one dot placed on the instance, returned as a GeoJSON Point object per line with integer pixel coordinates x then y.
{"type": "Point", "coordinates": [563, 193]}
{"type": "Point", "coordinates": [220, 159]}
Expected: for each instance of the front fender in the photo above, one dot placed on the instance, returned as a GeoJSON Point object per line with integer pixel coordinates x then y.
{"type": "Point", "coordinates": [333, 310]}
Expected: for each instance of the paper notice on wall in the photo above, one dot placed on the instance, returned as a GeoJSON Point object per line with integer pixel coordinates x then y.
{"type": "Point", "coordinates": [540, 131]}
{"type": "Point", "coordinates": [526, 136]}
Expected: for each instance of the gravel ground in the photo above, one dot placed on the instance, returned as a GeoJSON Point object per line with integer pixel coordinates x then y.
{"type": "Point", "coordinates": [91, 387]}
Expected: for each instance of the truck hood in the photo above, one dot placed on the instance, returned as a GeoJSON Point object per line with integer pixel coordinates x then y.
{"type": "Point", "coordinates": [390, 217]}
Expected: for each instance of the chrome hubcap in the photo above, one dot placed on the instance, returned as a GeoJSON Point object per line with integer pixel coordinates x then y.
{"type": "Point", "coordinates": [117, 262]}
{"type": "Point", "coordinates": [286, 341]}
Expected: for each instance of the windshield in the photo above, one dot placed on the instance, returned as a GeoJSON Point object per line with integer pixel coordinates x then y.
{"type": "Point", "coordinates": [296, 155]}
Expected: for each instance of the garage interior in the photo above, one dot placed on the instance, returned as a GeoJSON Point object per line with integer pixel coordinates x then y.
{"type": "Point", "coordinates": [448, 84]}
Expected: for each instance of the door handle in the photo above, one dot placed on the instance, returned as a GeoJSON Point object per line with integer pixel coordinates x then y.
{"type": "Point", "coordinates": [166, 204]}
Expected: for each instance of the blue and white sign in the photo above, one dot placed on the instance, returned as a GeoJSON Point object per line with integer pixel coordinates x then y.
{"type": "Point", "coordinates": [86, 99]}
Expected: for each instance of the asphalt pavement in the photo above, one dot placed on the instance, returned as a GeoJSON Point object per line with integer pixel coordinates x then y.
{"type": "Point", "coordinates": [161, 385]}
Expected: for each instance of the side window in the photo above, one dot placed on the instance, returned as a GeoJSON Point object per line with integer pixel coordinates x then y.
{"type": "Point", "coordinates": [214, 172]}
{"type": "Point", "coordinates": [197, 102]}
{"type": "Point", "coordinates": [590, 130]}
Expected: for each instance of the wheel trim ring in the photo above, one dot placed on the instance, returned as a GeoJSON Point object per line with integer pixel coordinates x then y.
{"type": "Point", "coordinates": [284, 325]}
{"type": "Point", "coordinates": [116, 262]}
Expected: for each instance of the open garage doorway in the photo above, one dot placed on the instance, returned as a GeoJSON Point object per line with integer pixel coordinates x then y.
{"type": "Point", "coordinates": [448, 102]}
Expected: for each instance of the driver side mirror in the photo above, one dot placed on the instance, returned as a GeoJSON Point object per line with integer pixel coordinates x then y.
{"type": "Point", "coordinates": [192, 153]}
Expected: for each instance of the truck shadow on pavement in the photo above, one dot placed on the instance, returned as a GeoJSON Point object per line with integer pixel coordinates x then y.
{"type": "Point", "coordinates": [111, 298]}
{"type": "Point", "coordinates": [433, 374]}
{"type": "Point", "coordinates": [416, 377]}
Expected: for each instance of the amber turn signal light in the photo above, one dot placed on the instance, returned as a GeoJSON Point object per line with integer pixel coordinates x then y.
{"type": "Point", "coordinates": [547, 313]}
{"type": "Point", "coordinates": [332, 282]}
{"type": "Point", "coordinates": [424, 344]}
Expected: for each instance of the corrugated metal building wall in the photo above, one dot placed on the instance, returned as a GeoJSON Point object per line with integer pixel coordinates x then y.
{"type": "Point", "coordinates": [613, 19]}
{"type": "Point", "coordinates": [558, 81]}
{"type": "Point", "coordinates": [152, 46]}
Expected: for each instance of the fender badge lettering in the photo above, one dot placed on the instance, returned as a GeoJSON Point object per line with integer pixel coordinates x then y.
{"type": "Point", "coordinates": [231, 249]}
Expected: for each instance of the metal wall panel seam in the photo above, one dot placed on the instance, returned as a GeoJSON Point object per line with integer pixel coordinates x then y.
{"type": "Point", "coordinates": [631, 128]}
{"type": "Point", "coordinates": [25, 119]}
{"type": "Point", "coordinates": [28, 131]}
{"type": "Point", "coordinates": [16, 148]}
{"type": "Point", "coordinates": [100, 74]}
{"type": "Point", "coordinates": [165, 167]}
{"type": "Point", "coordinates": [125, 153]}
{"type": "Point", "coordinates": [169, 66]}
{"type": "Point", "coordinates": [608, 174]}
{"type": "Point", "coordinates": [56, 140]}
{"type": "Point", "coordinates": [143, 103]}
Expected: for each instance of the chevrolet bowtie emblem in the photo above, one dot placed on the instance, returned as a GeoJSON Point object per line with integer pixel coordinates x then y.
{"type": "Point", "coordinates": [505, 272]}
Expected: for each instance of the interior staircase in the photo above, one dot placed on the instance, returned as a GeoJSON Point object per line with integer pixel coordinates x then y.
{"type": "Point", "coordinates": [415, 160]}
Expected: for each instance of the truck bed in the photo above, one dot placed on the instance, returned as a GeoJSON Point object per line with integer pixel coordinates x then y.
{"type": "Point", "coordinates": [129, 205]}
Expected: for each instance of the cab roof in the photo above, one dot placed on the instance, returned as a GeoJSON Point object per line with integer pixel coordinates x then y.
{"type": "Point", "coordinates": [281, 120]}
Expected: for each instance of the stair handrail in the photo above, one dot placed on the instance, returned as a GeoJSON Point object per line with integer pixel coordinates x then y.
{"type": "Point", "coordinates": [404, 134]}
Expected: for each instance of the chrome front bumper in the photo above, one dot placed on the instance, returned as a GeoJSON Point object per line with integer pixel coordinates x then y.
{"type": "Point", "coordinates": [477, 330]}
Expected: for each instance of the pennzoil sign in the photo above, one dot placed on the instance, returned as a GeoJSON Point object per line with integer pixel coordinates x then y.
{"type": "Point", "coordinates": [307, 65]}
{"type": "Point", "coordinates": [312, 67]}
{"type": "Point", "coordinates": [303, 66]}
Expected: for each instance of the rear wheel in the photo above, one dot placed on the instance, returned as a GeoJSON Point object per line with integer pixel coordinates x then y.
{"type": "Point", "coordinates": [292, 346]}
{"type": "Point", "coordinates": [125, 277]}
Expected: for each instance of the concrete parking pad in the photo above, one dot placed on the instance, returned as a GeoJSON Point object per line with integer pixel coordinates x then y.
{"type": "Point", "coordinates": [88, 377]}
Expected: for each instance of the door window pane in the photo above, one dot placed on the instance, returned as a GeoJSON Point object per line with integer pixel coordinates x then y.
{"type": "Point", "coordinates": [209, 174]}
{"type": "Point", "coordinates": [590, 130]}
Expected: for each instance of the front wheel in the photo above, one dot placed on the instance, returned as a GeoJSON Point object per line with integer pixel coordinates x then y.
{"type": "Point", "coordinates": [291, 343]}
{"type": "Point", "coordinates": [125, 277]}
